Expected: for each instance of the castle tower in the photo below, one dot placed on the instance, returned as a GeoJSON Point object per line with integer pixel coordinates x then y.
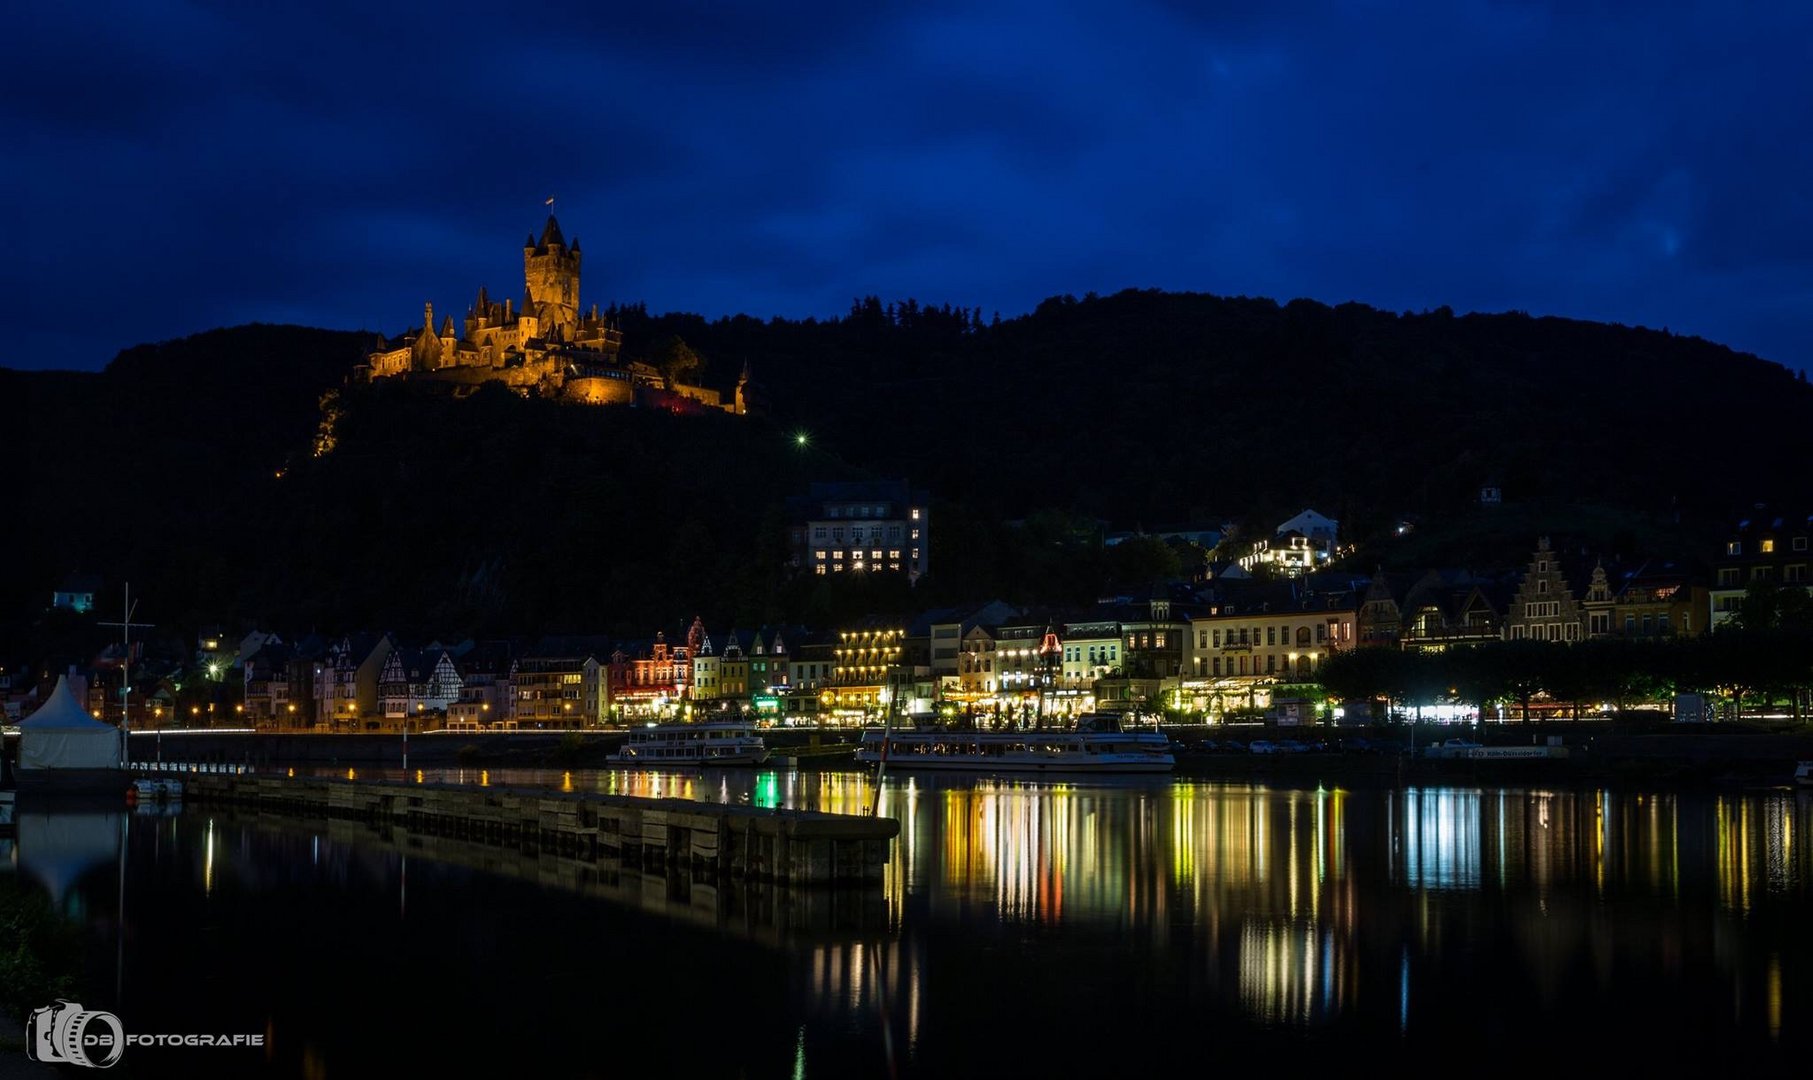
{"type": "Point", "coordinates": [551, 273]}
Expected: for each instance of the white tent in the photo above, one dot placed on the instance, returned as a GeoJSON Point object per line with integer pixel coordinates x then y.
{"type": "Point", "coordinates": [61, 735]}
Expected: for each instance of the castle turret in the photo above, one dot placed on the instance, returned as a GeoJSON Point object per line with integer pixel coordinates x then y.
{"type": "Point", "coordinates": [551, 273]}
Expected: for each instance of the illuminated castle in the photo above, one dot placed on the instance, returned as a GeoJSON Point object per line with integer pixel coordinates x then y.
{"type": "Point", "coordinates": [544, 347]}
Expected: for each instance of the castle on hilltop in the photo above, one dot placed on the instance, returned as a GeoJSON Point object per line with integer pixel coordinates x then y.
{"type": "Point", "coordinates": [544, 347]}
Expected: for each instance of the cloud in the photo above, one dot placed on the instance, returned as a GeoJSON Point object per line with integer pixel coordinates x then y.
{"type": "Point", "coordinates": [181, 166]}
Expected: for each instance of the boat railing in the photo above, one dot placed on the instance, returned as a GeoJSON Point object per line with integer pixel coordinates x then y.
{"type": "Point", "coordinates": [165, 768]}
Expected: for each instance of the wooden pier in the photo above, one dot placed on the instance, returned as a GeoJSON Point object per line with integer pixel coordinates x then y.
{"type": "Point", "coordinates": [794, 847]}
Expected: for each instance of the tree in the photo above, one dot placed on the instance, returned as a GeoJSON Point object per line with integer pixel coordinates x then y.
{"type": "Point", "coordinates": [675, 360]}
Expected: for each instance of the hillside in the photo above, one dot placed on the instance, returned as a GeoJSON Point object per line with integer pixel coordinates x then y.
{"type": "Point", "coordinates": [500, 513]}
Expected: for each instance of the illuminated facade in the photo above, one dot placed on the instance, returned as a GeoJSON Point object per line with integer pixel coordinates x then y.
{"type": "Point", "coordinates": [866, 666]}
{"type": "Point", "coordinates": [418, 682]}
{"type": "Point", "coordinates": [558, 692]}
{"type": "Point", "coordinates": [1277, 633]}
{"type": "Point", "coordinates": [1544, 608]}
{"type": "Point", "coordinates": [861, 528]}
{"type": "Point", "coordinates": [346, 679]}
{"type": "Point", "coordinates": [547, 346]}
{"type": "Point", "coordinates": [652, 683]}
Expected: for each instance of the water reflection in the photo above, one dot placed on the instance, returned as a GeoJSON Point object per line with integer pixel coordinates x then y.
{"type": "Point", "coordinates": [1397, 914]}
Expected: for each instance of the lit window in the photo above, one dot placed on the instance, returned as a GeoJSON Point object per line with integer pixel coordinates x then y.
{"type": "Point", "coordinates": [1734, 547]}
{"type": "Point", "coordinates": [875, 555]}
{"type": "Point", "coordinates": [837, 554]}
{"type": "Point", "coordinates": [915, 513]}
{"type": "Point", "coordinates": [1766, 547]}
{"type": "Point", "coordinates": [820, 553]}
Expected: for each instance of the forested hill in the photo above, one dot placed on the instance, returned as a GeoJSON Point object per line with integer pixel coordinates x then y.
{"type": "Point", "coordinates": [1143, 407]}
{"type": "Point", "coordinates": [1144, 404]}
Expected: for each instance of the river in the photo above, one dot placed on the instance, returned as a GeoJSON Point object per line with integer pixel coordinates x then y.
{"type": "Point", "coordinates": [1024, 928]}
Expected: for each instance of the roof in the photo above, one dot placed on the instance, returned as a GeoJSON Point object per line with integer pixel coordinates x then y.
{"type": "Point", "coordinates": [61, 712]}
{"type": "Point", "coordinates": [550, 234]}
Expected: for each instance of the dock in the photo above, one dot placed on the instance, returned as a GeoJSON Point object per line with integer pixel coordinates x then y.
{"type": "Point", "coordinates": [791, 847]}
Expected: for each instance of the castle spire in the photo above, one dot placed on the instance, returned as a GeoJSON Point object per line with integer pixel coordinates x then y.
{"type": "Point", "coordinates": [428, 317]}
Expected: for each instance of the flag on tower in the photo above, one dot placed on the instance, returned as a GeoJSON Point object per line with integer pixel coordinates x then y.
{"type": "Point", "coordinates": [550, 201]}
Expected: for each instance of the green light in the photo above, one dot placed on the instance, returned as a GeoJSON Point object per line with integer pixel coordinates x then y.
{"type": "Point", "coordinates": [800, 438]}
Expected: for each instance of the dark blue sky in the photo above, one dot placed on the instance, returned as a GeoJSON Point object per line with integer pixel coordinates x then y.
{"type": "Point", "coordinates": [173, 167]}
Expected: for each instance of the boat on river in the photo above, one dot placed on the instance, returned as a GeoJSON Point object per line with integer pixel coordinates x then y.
{"type": "Point", "coordinates": [1096, 745]}
{"type": "Point", "coordinates": [726, 743]}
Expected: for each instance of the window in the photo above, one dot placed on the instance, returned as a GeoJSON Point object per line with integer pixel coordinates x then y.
{"type": "Point", "coordinates": [1321, 633]}
{"type": "Point", "coordinates": [1202, 639]}
{"type": "Point", "coordinates": [915, 513]}
{"type": "Point", "coordinates": [1542, 586]}
{"type": "Point", "coordinates": [875, 555]}
{"type": "Point", "coordinates": [818, 532]}
{"type": "Point", "coordinates": [1761, 573]}
{"type": "Point", "coordinates": [1728, 576]}
{"type": "Point", "coordinates": [1271, 635]}
{"type": "Point", "coordinates": [1662, 624]}
{"type": "Point", "coordinates": [837, 554]}
{"type": "Point", "coordinates": [1158, 640]}
{"type": "Point", "coordinates": [1734, 547]}
{"type": "Point", "coordinates": [837, 534]}
{"type": "Point", "coordinates": [1800, 543]}
{"type": "Point", "coordinates": [893, 553]}
{"type": "Point", "coordinates": [1271, 664]}
{"type": "Point", "coordinates": [1797, 572]}
{"type": "Point", "coordinates": [1215, 638]}
{"type": "Point", "coordinates": [915, 535]}
{"type": "Point", "coordinates": [820, 568]}
{"type": "Point", "coordinates": [819, 554]}
{"type": "Point", "coordinates": [1216, 664]}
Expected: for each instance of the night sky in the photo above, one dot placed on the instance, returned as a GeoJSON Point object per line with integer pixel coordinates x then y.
{"type": "Point", "coordinates": [169, 168]}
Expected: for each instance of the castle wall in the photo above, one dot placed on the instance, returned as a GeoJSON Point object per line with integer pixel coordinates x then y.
{"type": "Point", "coordinates": [600, 390]}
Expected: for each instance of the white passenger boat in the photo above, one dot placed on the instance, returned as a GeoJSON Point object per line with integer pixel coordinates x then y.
{"type": "Point", "coordinates": [692, 744]}
{"type": "Point", "coordinates": [1096, 745]}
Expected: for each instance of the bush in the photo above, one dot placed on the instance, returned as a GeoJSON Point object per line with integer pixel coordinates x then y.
{"type": "Point", "coordinates": [40, 952]}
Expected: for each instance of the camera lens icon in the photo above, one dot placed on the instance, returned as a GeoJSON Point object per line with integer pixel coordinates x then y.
{"type": "Point", "coordinates": [67, 1033]}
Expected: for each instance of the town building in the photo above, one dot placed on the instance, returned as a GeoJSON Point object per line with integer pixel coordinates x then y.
{"type": "Point", "coordinates": [76, 593]}
{"type": "Point", "coordinates": [485, 691]}
{"type": "Point", "coordinates": [418, 685]}
{"type": "Point", "coordinates": [1280, 632]}
{"type": "Point", "coordinates": [1766, 547]}
{"type": "Point", "coordinates": [558, 691]}
{"type": "Point", "coordinates": [863, 679]}
{"type": "Point", "coordinates": [864, 527]}
{"type": "Point", "coordinates": [1301, 545]}
{"type": "Point", "coordinates": [650, 682]}
{"type": "Point", "coordinates": [1544, 608]}
{"type": "Point", "coordinates": [1091, 650]}
{"type": "Point", "coordinates": [346, 680]}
